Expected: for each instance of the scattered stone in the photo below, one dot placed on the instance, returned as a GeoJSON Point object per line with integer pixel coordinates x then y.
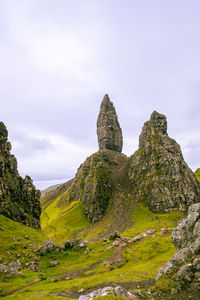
{"type": "Point", "coordinates": [164, 231]}
{"type": "Point", "coordinates": [74, 244]}
{"type": "Point", "coordinates": [48, 246]}
{"type": "Point", "coordinates": [114, 236]}
{"type": "Point", "coordinates": [81, 291]}
{"type": "Point", "coordinates": [174, 291]}
{"type": "Point", "coordinates": [33, 266]}
{"type": "Point", "coordinates": [143, 235]}
{"type": "Point", "coordinates": [12, 268]}
{"type": "Point", "coordinates": [116, 291]}
{"type": "Point", "coordinates": [116, 243]}
{"type": "Point", "coordinates": [53, 263]}
{"type": "Point", "coordinates": [109, 247]}
{"type": "Point", "coordinates": [26, 237]}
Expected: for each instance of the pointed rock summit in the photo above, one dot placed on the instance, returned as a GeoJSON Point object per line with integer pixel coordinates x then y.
{"type": "Point", "coordinates": [158, 171]}
{"type": "Point", "coordinates": [108, 129]}
{"type": "Point", "coordinates": [19, 199]}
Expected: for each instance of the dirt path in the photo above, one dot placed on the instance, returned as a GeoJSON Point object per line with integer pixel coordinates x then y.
{"type": "Point", "coordinates": [115, 259]}
{"type": "Point", "coordinates": [8, 293]}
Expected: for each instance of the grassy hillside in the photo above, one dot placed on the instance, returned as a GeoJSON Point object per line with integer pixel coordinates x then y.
{"type": "Point", "coordinates": [138, 264]}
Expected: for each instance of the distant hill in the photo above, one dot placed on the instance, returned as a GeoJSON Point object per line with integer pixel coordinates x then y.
{"type": "Point", "coordinates": [50, 188]}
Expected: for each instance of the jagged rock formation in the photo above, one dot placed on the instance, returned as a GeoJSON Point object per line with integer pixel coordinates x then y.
{"type": "Point", "coordinates": [184, 266]}
{"type": "Point", "coordinates": [93, 185]}
{"type": "Point", "coordinates": [19, 200]}
{"type": "Point", "coordinates": [102, 180]}
{"type": "Point", "coordinates": [108, 129]}
{"type": "Point", "coordinates": [158, 171]}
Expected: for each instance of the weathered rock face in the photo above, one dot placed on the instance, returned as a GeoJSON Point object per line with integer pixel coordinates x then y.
{"type": "Point", "coordinates": [93, 186]}
{"type": "Point", "coordinates": [184, 266]}
{"type": "Point", "coordinates": [19, 200]}
{"type": "Point", "coordinates": [158, 171]}
{"type": "Point", "coordinates": [108, 128]}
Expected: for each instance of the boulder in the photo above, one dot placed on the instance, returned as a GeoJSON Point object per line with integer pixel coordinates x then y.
{"type": "Point", "coordinates": [12, 268]}
{"type": "Point", "coordinates": [49, 246]}
{"type": "Point", "coordinates": [74, 244]}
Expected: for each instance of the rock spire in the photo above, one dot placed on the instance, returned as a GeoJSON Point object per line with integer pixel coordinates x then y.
{"type": "Point", "coordinates": [108, 129]}
{"type": "Point", "coordinates": [19, 200]}
{"type": "Point", "coordinates": [158, 171]}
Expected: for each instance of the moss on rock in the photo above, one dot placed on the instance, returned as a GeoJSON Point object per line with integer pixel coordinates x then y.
{"type": "Point", "coordinates": [93, 186]}
{"type": "Point", "coordinates": [158, 172]}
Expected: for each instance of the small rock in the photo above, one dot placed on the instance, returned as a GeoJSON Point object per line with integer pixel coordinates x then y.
{"type": "Point", "coordinates": [49, 246]}
{"type": "Point", "coordinates": [116, 243]}
{"type": "Point", "coordinates": [197, 275]}
{"type": "Point", "coordinates": [26, 237]}
{"type": "Point", "coordinates": [114, 236]}
{"type": "Point", "coordinates": [81, 291]}
{"type": "Point", "coordinates": [53, 263]}
{"type": "Point", "coordinates": [164, 231]}
{"type": "Point", "coordinates": [174, 291]}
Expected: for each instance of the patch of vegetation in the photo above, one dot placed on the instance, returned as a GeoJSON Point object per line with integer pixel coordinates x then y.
{"type": "Point", "coordinates": [15, 239]}
{"type": "Point", "coordinates": [60, 222]}
{"type": "Point", "coordinates": [197, 174]}
{"type": "Point", "coordinates": [78, 269]}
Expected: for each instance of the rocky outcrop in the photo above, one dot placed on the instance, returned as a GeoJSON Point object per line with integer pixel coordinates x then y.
{"type": "Point", "coordinates": [115, 291]}
{"type": "Point", "coordinates": [158, 172]}
{"type": "Point", "coordinates": [19, 199]}
{"type": "Point", "coordinates": [11, 268]}
{"type": "Point", "coordinates": [184, 266]}
{"type": "Point", "coordinates": [93, 185]}
{"type": "Point", "coordinates": [108, 129]}
{"type": "Point", "coordinates": [49, 246]}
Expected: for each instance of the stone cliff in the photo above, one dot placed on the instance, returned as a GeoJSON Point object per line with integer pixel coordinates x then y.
{"type": "Point", "coordinates": [19, 200]}
{"type": "Point", "coordinates": [158, 172]}
{"type": "Point", "coordinates": [184, 266]}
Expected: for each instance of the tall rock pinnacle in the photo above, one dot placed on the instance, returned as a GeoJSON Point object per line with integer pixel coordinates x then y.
{"type": "Point", "coordinates": [108, 129]}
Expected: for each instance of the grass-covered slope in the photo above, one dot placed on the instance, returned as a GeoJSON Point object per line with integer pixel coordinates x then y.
{"type": "Point", "coordinates": [60, 221]}
{"type": "Point", "coordinates": [138, 265]}
{"type": "Point", "coordinates": [14, 237]}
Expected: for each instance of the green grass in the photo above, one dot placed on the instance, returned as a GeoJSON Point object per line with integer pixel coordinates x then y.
{"type": "Point", "coordinates": [144, 219]}
{"type": "Point", "coordinates": [60, 222]}
{"type": "Point", "coordinates": [141, 259]}
{"type": "Point", "coordinates": [11, 230]}
{"type": "Point", "coordinates": [197, 173]}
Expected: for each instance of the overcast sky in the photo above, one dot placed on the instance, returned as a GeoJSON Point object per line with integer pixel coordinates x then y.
{"type": "Point", "coordinates": [59, 57]}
